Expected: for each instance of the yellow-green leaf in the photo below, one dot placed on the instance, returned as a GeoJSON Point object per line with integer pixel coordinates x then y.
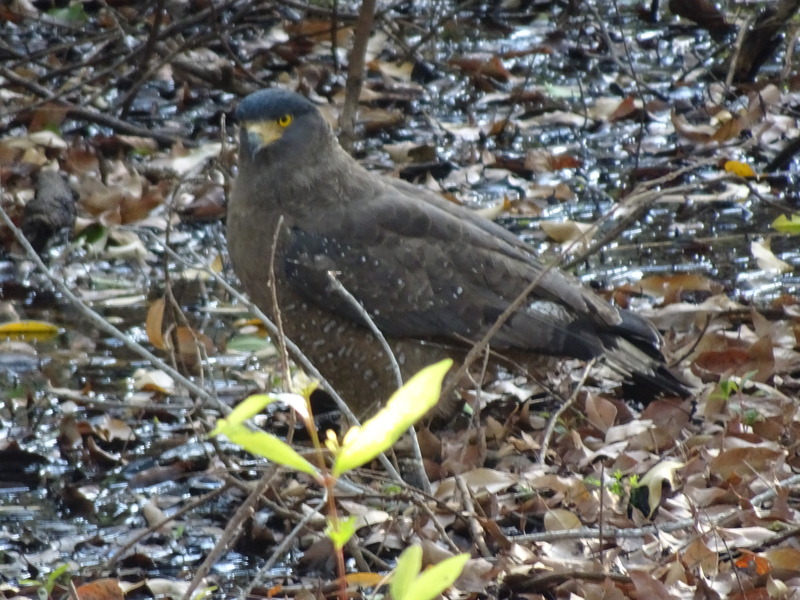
{"type": "Point", "coordinates": [341, 532]}
{"type": "Point", "coordinates": [406, 406]}
{"type": "Point", "coordinates": [435, 580]}
{"type": "Point", "coordinates": [408, 566]}
{"type": "Point", "coordinates": [786, 224]}
{"type": "Point", "coordinates": [248, 408]}
{"type": "Point", "coordinates": [266, 445]}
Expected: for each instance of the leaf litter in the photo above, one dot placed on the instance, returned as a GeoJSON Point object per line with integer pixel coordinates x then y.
{"type": "Point", "coordinates": [673, 500]}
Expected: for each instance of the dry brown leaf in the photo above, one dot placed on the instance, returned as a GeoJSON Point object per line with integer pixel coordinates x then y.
{"type": "Point", "coordinates": [673, 285]}
{"type": "Point", "coordinates": [700, 134]}
{"type": "Point", "coordinates": [153, 381]}
{"type": "Point", "coordinates": [193, 346]}
{"type": "Point", "coordinates": [136, 208]}
{"type": "Point", "coordinates": [784, 562]}
{"type": "Point", "coordinates": [698, 555]}
{"type": "Point", "coordinates": [648, 587]}
{"type": "Point", "coordinates": [100, 589]}
{"type": "Point", "coordinates": [490, 66]}
{"type": "Point", "coordinates": [564, 161]}
{"type": "Point", "coordinates": [760, 593]}
{"type": "Point", "coordinates": [154, 322]}
{"type": "Point", "coordinates": [728, 130]}
{"type": "Point", "coordinates": [601, 413]}
{"type": "Point", "coordinates": [100, 456]}
{"type": "Point", "coordinates": [626, 109]}
{"type": "Point", "coordinates": [745, 463]}
{"type": "Point", "coordinates": [703, 12]}
{"type": "Point", "coordinates": [568, 232]}
{"type": "Point", "coordinates": [714, 364]}
{"type": "Point", "coordinates": [110, 430]}
{"type": "Point", "coordinates": [478, 480]}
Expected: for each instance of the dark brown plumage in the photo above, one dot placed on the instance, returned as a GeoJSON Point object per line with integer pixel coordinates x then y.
{"type": "Point", "coordinates": [430, 274]}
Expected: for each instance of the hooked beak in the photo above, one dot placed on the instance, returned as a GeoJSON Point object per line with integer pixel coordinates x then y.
{"type": "Point", "coordinates": [261, 134]}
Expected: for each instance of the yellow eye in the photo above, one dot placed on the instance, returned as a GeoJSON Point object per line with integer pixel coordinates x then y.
{"type": "Point", "coordinates": [285, 120]}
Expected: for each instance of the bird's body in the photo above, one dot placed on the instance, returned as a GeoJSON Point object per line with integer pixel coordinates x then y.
{"type": "Point", "coordinates": [432, 276]}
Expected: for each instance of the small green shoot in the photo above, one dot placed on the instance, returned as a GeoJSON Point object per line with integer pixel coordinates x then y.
{"type": "Point", "coordinates": [616, 486]}
{"type": "Point", "coordinates": [49, 584]}
{"type": "Point", "coordinates": [751, 416]}
{"type": "Point", "coordinates": [359, 446]}
{"type": "Point", "coordinates": [341, 531]}
{"type": "Point", "coordinates": [727, 388]}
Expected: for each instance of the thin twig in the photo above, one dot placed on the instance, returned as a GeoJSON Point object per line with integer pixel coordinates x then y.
{"type": "Point", "coordinates": [602, 516]}
{"type": "Point", "coordinates": [104, 325]}
{"type": "Point", "coordinates": [87, 114]}
{"type": "Point", "coordinates": [362, 312]}
{"type": "Point", "coordinates": [625, 68]}
{"type": "Point", "coordinates": [475, 528]}
{"type": "Point", "coordinates": [280, 551]}
{"type": "Point", "coordinates": [149, 47]}
{"type": "Point", "coordinates": [355, 71]}
{"type": "Point", "coordinates": [156, 526]}
{"type": "Point", "coordinates": [343, 291]}
{"type": "Point", "coordinates": [294, 350]}
{"type": "Point", "coordinates": [276, 309]}
{"type": "Point", "coordinates": [232, 531]}
{"type": "Point", "coordinates": [551, 424]}
{"type": "Point", "coordinates": [443, 535]}
{"type": "Point", "coordinates": [737, 49]}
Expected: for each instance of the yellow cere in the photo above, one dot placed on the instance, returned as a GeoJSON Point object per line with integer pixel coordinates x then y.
{"type": "Point", "coordinates": [268, 131]}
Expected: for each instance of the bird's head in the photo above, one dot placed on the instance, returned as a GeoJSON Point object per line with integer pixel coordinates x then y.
{"type": "Point", "coordinates": [280, 123]}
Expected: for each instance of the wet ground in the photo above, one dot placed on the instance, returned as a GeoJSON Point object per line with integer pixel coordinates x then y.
{"type": "Point", "coordinates": [90, 458]}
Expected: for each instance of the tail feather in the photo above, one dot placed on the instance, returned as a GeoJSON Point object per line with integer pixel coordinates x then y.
{"type": "Point", "coordinates": [646, 375]}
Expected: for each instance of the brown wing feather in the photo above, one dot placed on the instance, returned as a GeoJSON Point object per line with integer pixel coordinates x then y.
{"type": "Point", "coordinates": [441, 275]}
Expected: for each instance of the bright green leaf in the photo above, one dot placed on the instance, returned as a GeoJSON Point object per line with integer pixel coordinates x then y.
{"type": "Point", "coordinates": [786, 224]}
{"type": "Point", "coordinates": [94, 236]}
{"type": "Point", "coordinates": [435, 580]}
{"type": "Point", "coordinates": [728, 387]}
{"type": "Point", "coordinates": [53, 578]}
{"type": "Point", "coordinates": [264, 444]}
{"type": "Point", "coordinates": [406, 406]}
{"type": "Point", "coordinates": [408, 566]}
{"type": "Point", "coordinates": [340, 534]}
